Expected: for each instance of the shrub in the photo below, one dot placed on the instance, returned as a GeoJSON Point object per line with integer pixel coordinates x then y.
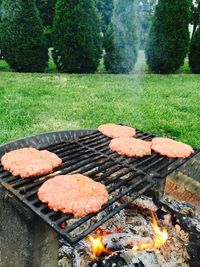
{"type": "Point", "coordinates": [76, 36]}
{"type": "Point", "coordinates": [121, 40]}
{"type": "Point", "coordinates": [168, 40]}
{"type": "Point", "coordinates": [194, 55]}
{"type": "Point", "coordinates": [24, 45]}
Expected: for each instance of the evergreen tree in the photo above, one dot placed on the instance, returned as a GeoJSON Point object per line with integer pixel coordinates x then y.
{"type": "Point", "coordinates": [111, 57]}
{"type": "Point", "coordinates": [194, 14]}
{"type": "Point", "coordinates": [76, 36]}
{"type": "Point", "coordinates": [23, 42]}
{"type": "Point", "coordinates": [168, 40]}
{"type": "Point", "coordinates": [1, 55]}
{"type": "Point", "coordinates": [194, 55]}
{"type": "Point", "coordinates": [121, 40]}
{"type": "Point", "coordinates": [0, 8]}
{"type": "Point", "coordinates": [46, 9]}
{"type": "Point", "coordinates": [105, 8]}
{"type": "Point", "coordinates": [145, 11]}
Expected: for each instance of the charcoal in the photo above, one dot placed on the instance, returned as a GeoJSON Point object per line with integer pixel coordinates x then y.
{"type": "Point", "coordinates": [117, 260]}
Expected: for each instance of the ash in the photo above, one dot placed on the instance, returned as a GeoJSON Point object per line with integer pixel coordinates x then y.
{"type": "Point", "coordinates": [131, 227]}
{"type": "Point", "coordinates": [185, 213]}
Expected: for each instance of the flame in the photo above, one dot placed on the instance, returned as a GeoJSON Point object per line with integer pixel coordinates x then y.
{"type": "Point", "coordinates": [161, 234]}
{"type": "Point", "coordinates": [160, 240]}
{"type": "Point", "coordinates": [97, 246]}
{"type": "Point", "coordinates": [142, 247]}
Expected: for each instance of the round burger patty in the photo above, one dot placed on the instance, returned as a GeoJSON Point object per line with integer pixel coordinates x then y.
{"type": "Point", "coordinates": [30, 162]}
{"type": "Point", "coordinates": [114, 131]}
{"type": "Point", "coordinates": [75, 194]}
{"type": "Point", "coordinates": [171, 148]}
{"type": "Point", "coordinates": [130, 147]}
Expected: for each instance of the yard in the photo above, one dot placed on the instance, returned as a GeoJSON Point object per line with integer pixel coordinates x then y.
{"type": "Point", "coordinates": [161, 104]}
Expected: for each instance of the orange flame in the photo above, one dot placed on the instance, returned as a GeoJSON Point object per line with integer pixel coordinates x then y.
{"type": "Point", "coordinates": [141, 247]}
{"type": "Point", "coordinates": [160, 240]}
{"type": "Point", "coordinates": [97, 246]}
{"type": "Point", "coordinates": [161, 234]}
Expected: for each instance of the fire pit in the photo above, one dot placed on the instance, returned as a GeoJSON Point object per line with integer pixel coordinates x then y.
{"type": "Point", "coordinates": [26, 232]}
{"type": "Point", "coordinates": [135, 239]}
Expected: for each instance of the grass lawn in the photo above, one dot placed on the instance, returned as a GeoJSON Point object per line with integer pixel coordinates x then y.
{"type": "Point", "coordinates": [162, 104]}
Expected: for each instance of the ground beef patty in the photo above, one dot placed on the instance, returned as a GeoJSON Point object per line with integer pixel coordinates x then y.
{"type": "Point", "coordinates": [171, 148]}
{"type": "Point", "coordinates": [114, 131]}
{"type": "Point", "coordinates": [75, 194]}
{"type": "Point", "coordinates": [30, 162]}
{"type": "Point", "coordinates": [130, 147]}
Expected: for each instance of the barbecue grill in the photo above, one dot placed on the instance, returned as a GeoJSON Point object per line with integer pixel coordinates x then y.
{"type": "Point", "coordinates": [87, 152]}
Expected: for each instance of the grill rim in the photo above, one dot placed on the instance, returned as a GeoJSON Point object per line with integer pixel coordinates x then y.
{"type": "Point", "coordinates": [37, 139]}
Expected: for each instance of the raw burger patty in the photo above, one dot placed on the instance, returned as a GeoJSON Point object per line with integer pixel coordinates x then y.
{"type": "Point", "coordinates": [170, 148]}
{"type": "Point", "coordinates": [130, 147]}
{"type": "Point", "coordinates": [75, 194]}
{"type": "Point", "coordinates": [114, 131]}
{"type": "Point", "coordinates": [30, 162]}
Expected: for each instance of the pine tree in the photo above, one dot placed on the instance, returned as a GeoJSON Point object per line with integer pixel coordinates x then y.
{"type": "Point", "coordinates": [24, 45]}
{"type": "Point", "coordinates": [1, 54]}
{"type": "Point", "coordinates": [111, 57]}
{"type": "Point", "coordinates": [194, 55]}
{"type": "Point", "coordinates": [76, 36]}
{"type": "Point", "coordinates": [46, 9]}
{"type": "Point", "coordinates": [105, 8]}
{"type": "Point", "coordinates": [145, 11]}
{"type": "Point", "coordinates": [168, 40]}
{"type": "Point", "coordinates": [121, 40]}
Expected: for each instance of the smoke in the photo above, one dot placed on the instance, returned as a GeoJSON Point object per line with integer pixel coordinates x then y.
{"type": "Point", "coordinates": [126, 38]}
{"type": "Point", "coordinates": [134, 35]}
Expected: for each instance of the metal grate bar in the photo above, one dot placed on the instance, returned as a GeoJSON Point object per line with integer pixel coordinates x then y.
{"type": "Point", "coordinates": [119, 160]}
{"type": "Point", "coordinates": [53, 146]}
{"type": "Point", "coordinates": [154, 163]}
{"type": "Point", "coordinates": [145, 161]}
{"type": "Point", "coordinates": [175, 164]}
{"type": "Point", "coordinates": [4, 174]}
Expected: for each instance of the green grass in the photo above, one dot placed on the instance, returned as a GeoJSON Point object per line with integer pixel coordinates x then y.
{"type": "Point", "coordinates": [161, 104]}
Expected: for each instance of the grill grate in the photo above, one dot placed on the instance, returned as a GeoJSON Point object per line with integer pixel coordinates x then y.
{"type": "Point", "coordinates": [91, 156]}
{"type": "Point", "coordinates": [77, 158]}
{"type": "Point", "coordinates": [155, 165]}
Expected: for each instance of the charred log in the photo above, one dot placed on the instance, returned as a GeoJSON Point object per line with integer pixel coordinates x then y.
{"type": "Point", "coordinates": [117, 260]}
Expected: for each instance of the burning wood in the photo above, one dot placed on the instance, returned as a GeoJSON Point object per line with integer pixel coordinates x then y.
{"type": "Point", "coordinates": [142, 202]}
{"type": "Point", "coordinates": [117, 241]}
{"type": "Point", "coordinates": [120, 241]}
